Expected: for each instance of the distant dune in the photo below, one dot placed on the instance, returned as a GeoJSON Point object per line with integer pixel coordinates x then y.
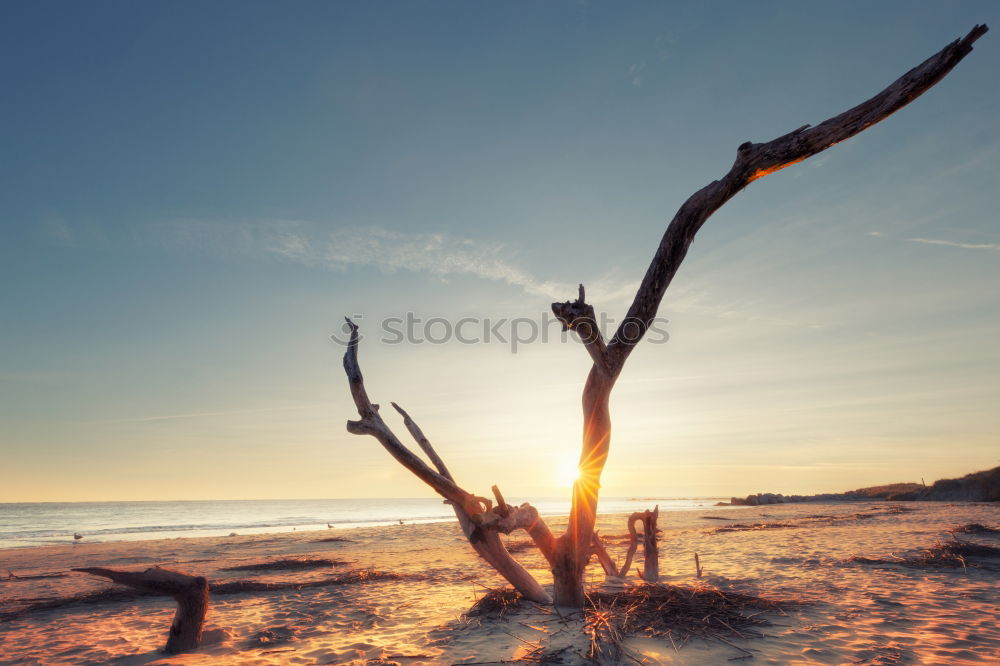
{"type": "Point", "coordinates": [976, 487]}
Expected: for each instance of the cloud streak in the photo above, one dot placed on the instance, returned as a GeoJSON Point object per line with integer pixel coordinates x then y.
{"type": "Point", "coordinates": [966, 246]}
{"type": "Point", "coordinates": [438, 254]}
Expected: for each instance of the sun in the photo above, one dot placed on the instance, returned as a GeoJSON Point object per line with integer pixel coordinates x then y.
{"type": "Point", "coordinates": [567, 471]}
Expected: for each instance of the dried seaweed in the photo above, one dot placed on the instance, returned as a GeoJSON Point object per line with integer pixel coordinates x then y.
{"type": "Point", "coordinates": [350, 578]}
{"type": "Point", "coordinates": [975, 528]}
{"type": "Point", "coordinates": [941, 555]}
{"type": "Point", "coordinates": [108, 595]}
{"type": "Point", "coordinates": [496, 603]}
{"type": "Point", "coordinates": [11, 577]}
{"type": "Point", "coordinates": [659, 611]}
{"type": "Point", "coordinates": [290, 564]}
{"type": "Point", "coordinates": [741, 527]}
{"type": "Point", "coordinates": [334, 539]}
{"type": "Point", "coordinates": [540, 655]}
{"type": "Point", "coordinates": [674, 613]}
{"type": "Point", "coordinates": [819, 520]}
{"type": "Point", "coordinates": [113, 594]}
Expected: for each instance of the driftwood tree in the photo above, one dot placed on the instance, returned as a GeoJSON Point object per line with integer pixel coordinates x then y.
{"type": "Point", "coordinates": [569, 553]}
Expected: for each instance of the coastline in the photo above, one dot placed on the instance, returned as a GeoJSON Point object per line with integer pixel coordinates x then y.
{"type": "Point", "coordinates": [852, 612]}
{"type": "Point", "coordinates": [26, 525]}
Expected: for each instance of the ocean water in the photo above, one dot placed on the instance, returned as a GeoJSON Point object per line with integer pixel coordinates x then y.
{"type": "Point", "coordinates": [41, 523]}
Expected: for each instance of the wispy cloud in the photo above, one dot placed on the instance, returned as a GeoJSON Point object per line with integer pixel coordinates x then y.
{"type": "Point", "coordinates": [966, 246]}
{"type": "Point", "coordinates": [437, 254]}
{"type": "Point", "coordinates": [635, 73]}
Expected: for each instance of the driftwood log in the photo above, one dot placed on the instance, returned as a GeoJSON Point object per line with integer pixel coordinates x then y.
{"type": "Point", "coordinates": [569, 553]}
{"type": "Point", "coordinates": [190, 592]}
{"type": "Point", "coordinates": [650, 552]}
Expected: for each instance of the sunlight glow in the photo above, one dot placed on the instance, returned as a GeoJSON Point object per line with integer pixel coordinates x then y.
{"type": "Point", "coordinates": [567, 471]}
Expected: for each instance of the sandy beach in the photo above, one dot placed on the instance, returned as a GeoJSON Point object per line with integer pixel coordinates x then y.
{"type": "Point", "coordinates": [407, 605]}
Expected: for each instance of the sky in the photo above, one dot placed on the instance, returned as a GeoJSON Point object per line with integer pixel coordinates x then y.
{"type": "Point", "coordinates": [193, 195]}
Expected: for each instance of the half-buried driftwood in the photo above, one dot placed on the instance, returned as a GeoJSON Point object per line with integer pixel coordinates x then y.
{"type": "Point", "coordinates": [650, 552]}
{"type": "Point", "coordinates": [190, 592]}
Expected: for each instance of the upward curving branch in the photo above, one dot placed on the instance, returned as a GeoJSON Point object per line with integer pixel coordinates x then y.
{"type": "Point", "coordinates": [756, 160]}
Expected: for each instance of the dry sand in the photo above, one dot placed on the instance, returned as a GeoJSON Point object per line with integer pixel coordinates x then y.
{"type": "Point", "coordinates": [857, 613]}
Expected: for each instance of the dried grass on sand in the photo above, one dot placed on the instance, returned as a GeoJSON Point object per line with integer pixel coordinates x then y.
{"type": "Point", "coordinates": [670, 612]}
{"type": "Point", "coordinates": [740, 527]}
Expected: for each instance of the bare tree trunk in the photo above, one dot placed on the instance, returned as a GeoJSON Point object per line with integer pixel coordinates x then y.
{"type": "Point", "coordinates": [190, 592]}
{"type": "Point", "coordinates": [753, 161]}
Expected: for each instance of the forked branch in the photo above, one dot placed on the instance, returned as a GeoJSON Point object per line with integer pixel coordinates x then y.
{"type": "Point", "coordinates": [479, 520]}
{"type": "Point", "coordinates": [371, 423]}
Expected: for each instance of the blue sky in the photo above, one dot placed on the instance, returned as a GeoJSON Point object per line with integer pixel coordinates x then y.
{"type": "Point", "coordinates": [192, 195]}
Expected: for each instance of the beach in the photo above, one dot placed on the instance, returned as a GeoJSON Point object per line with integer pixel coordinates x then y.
{"type": "Point", "coordinates": [399, 594]}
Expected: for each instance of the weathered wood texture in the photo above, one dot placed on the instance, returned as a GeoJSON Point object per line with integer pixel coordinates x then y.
{"type": "Point", "coordinates": [568, 554]}
{"type": "Point", "coordinates": [650, 551]}
{"type": "Point", "coordinates": [190, 592]}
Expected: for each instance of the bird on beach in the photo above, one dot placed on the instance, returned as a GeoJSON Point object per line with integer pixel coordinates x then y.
{"type": "Point", "coordinates": [77, 536]}
{"type": "Point", "coordinates": [329, 526]}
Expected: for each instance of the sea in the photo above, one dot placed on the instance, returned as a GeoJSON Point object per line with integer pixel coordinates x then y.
{"type": "Point", "coordinates": [44, 523]}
